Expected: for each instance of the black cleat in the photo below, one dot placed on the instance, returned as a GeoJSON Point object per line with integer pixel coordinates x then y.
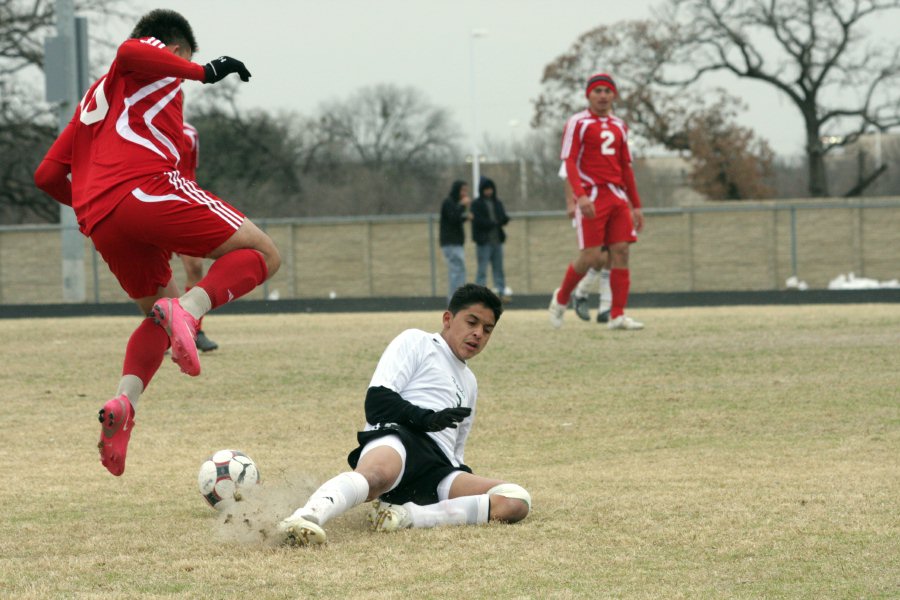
{"type": "Point", "coordinates": [603, 317]}
{"type": "Point", "coordinates": [581, 308]}
{"type": "Point", "coordinates": [204, 344]}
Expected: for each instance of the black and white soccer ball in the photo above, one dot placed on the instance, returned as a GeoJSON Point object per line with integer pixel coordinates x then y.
{"type": "Point", "coordinates": [226, 475]}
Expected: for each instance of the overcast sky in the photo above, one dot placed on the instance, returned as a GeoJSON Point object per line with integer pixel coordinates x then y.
{"type": "Point", "coordinates": [303, 53]}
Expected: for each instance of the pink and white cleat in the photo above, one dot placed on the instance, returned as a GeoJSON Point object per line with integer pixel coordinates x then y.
{"type": "Point", "coordinates": [116, 423]}
{"type": "Point", "coordinates": [182, 329]}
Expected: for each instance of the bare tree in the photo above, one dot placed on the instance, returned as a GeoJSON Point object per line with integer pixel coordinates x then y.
{"type": "Point", "coordinates": [390, 141]}
{"type": "Point", "coordinates": [23, 26]}
{"type": "Point", "coordinates": [27, 124]}
{"type": "Point", "coordinates": [813, 51]}
{"type": "Point", "coordinates": [391, 124]}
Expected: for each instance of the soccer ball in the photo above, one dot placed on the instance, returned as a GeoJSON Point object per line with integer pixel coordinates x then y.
{"type": "Point", "coordinates": [226, 475]}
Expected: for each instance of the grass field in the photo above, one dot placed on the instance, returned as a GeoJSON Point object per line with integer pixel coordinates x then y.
{"type": "Point", "coordinates": [741, 452]}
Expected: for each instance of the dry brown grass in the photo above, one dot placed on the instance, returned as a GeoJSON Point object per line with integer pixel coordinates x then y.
{"type": "Point", "coordinates": [721, 453]}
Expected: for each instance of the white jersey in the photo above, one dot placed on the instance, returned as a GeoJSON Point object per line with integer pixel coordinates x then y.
{"type": "Point", "coordinates": [421, 368]}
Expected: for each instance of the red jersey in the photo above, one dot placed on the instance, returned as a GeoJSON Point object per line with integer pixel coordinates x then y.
{"type": "Point", "coordinates": [595, 150]}
{"type": "Point", "coordinates": [127, 128]}
{"type": "Point", "coordinates": [190, 152]}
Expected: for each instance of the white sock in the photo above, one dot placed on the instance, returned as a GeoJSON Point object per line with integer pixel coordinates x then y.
{"type": "Point", "coordinates": [196, 301]}
{"type": "Point", "coordinates": [132, 387]}
{"type": "Point", "coordinates": [583, 289]}
{"type": "Point", "coordinates": [605, 291]}
{"type": "Point", "coordinates": [335, 497]}
{"type": "Point", "coordinates": [465, 510]}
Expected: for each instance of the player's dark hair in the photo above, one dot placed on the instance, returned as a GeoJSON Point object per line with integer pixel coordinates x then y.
{"type": "Point", "coordinates": [472, 293]}
{"type": "Point", "coordinates": [167, 26]}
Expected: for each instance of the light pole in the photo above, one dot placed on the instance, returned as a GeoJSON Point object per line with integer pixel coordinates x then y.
{"type": "Point", "coordinates": [476, 174]}
{"type": "Point", "coordinates": [67, 78]}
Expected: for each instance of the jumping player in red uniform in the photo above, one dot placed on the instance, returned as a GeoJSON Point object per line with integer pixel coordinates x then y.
{"type": "Point", "coordinates": [116, 164]}
{"type": "Point", "coordinates": [598, 167]}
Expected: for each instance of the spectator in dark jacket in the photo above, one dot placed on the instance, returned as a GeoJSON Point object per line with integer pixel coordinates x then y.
{"type": "Point", "coordinates": [455, 212]}
{"type": "Point", "coordinates": [488, 220]}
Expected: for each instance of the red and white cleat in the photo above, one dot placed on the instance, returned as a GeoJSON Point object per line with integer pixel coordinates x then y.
{"type": "Point", "coordinates": [116, 423]}
{"type": "Point", "coordinates": [182, 329]}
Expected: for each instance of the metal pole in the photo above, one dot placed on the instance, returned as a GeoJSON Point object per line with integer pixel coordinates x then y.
{"type": "Point", "coordinates": [66, 59]}
{"type": "Point", "coordinates": [794, 241]}
{"type": "Point", "coordinates": [476, 173]}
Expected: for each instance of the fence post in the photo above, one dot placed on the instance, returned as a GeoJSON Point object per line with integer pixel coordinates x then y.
{"type": "Point", "coordinates": [292, 259]}
{"type": "Point", "coordinates": [527, 253]}
{"type": "Point", "coordinates": [794, 241]}
{"type": "Point", "coordinates": [774, 249]}
{"type": "Point", "coordinates": [859, 242]}
{"type": "Point", "coordinates": [368, 258]}
{"type": "Point", "coordinates": [690, 249]}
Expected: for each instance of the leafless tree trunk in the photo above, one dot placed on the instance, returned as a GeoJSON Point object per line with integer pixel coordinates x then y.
{"type": "Point", "coordinates": [813, 51]}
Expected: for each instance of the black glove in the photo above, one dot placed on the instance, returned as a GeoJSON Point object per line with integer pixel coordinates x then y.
{"type": "Point", "coordinates": [443, 419]}
{"type": "Point", "coordinates": [217, 69]}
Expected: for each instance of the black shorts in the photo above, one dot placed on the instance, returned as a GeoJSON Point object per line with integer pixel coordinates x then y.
{"type": "Point", "coordinates": [426, 465]}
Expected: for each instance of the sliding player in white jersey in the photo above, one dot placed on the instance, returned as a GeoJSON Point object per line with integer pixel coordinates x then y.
{"type": "Point", "coordinates": [419, 411]}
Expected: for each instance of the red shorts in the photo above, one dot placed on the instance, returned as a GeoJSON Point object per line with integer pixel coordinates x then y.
{"type": "Point", "coordinates": [612, 222]}
{"type": "Point", "coordinates": [163, 215]}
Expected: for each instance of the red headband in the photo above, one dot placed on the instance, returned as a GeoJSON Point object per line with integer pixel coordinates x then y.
{"type": "Point", "coordinates": [598, 80]}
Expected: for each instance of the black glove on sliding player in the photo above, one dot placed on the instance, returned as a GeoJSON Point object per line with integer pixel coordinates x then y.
{"type": "Point", "coordinates": [217, 69]}
{"type": "Point", "coordinates": [443, 419]}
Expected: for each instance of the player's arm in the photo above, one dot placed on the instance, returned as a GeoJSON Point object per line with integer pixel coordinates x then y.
{"type": "Point", "coordinates": [570, 150]}
{"type": "Point", "coordinates": [567, 189]}
{"type": "Point", "coordinates": [52, 175]}
{"type": "Point", "coordinates": [459, 449]}
{"type": "Point", "coordinates": [135, 55]}
{"type": "Point", "coordinates": [631, 190]}
{"type": "Point", "coordinates": [384, 405]}
{"type": "Point", "coordinates": [570, 199]}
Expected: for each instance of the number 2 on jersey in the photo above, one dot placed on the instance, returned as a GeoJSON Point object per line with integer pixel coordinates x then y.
{"type": "Point", "coordinates": [607, 139]}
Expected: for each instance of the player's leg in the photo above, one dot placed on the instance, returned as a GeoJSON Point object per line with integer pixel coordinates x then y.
{"type": "Point", "coordinates": [604, 305]}
{"type": "Point", "coordinates": [605, 293]}
{"type": "Point", "coordinates": [581, 293]}
{"type": "Point", "coordinates": [143, 356]}
{"type": "Point", "coordinates": [143, 272]}
{"type": "Point", "coordinates": [464, 499]}
{"type": "Point", "coordinates": [576, 271]}
{"type": "Point", "coordinates": [379, 469]}
{"type": "Point", "coordinates": [246, 259]}
{"type": "Point", "coordinates": [619, 234]}
{"type": "Point", "coordinates": [193, 271]}
{"type": "Point", "coordinates": [620, 284]}
{"type": "Point", "coordinates": [590, 233]}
